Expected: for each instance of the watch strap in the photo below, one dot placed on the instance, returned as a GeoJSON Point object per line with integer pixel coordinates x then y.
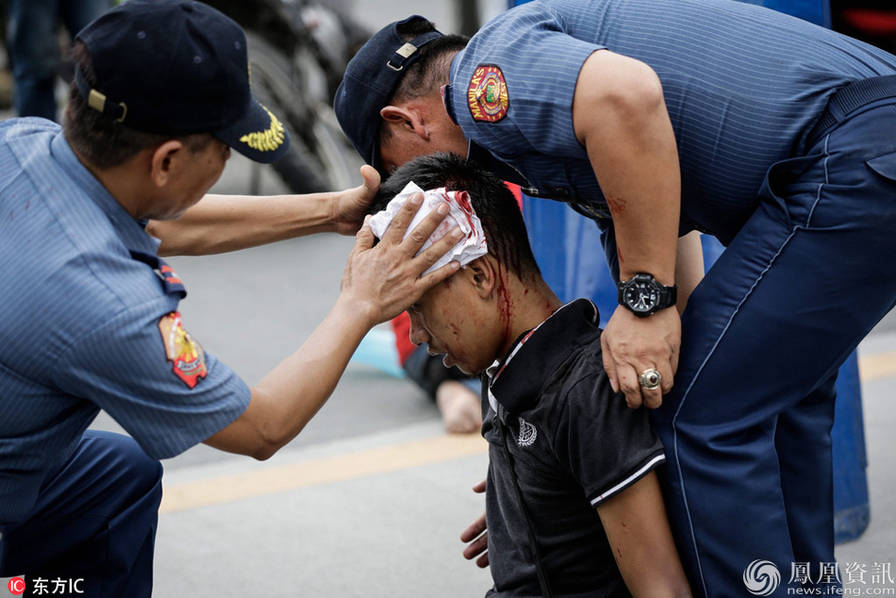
{"type": "Point", "coordinates": [668, 295]}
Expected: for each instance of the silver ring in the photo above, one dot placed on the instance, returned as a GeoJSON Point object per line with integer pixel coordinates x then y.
{"type": "Point", "coordinates": [650, 379]}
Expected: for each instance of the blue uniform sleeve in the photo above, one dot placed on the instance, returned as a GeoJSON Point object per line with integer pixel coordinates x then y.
{"type": "Point", "coordinates": [607, 445]}
{"type": "Point", "coordinates": [153, 378]}
{"type": "Point", "coordinates": [539, 64]}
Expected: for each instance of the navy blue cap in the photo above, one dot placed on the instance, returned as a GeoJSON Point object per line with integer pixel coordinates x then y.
{"type": "Point", "coordinates": [177, 67]}
{"type": "Point", "coordinates": [370, 80]}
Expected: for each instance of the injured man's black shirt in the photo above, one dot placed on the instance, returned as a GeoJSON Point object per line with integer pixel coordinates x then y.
{"type": "Point", "coordinates": [574, 443]}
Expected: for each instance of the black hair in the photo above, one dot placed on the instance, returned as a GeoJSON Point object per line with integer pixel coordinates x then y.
{"type": "Point", "coordinates": [432, 63]}
{"type": "Point", "coordinates": [100, 139]}
{"type": "Point", "coordinates": [494, 204]}
{"type": "Point", "coordinates": [430, 70]}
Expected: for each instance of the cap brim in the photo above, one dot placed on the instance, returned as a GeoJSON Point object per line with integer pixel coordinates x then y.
{"type": "Point", "coordinates": [258, 135]}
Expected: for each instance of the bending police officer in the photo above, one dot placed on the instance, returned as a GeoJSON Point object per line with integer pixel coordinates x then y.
{"type": "Point", "coordinates": [659, 117]}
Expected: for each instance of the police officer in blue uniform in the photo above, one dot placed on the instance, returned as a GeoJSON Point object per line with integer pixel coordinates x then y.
{"type": "Point", "coordinates": [90, 312]}
{"type": "Point", "coordinates": [659, 117]}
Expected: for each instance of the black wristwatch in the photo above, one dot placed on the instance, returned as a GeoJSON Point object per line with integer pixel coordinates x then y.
{"type": "Point", "coordinates": [643, 295]}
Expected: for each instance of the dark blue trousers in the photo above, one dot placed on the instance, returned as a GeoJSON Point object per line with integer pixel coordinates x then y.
{"type": "Point", "coordinates": [747, 426]}
{"type": "Point", "coordinates": [95, 520]}
{"type": "Point", "coordinates": [33, 39]}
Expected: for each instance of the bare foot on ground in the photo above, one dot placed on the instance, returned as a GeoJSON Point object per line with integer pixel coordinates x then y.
{"type": "Point", "coordinates": [460, 408]}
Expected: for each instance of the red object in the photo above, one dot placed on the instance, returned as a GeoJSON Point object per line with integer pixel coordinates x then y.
{"type": "Point", "coordinates": [875, 22]}
{"type": "Point", "coordinates": [517, 193]}
{"type": "Point", "coordinates": [16, 586]}
{"type": "Point", "coordinates": [401, 326]}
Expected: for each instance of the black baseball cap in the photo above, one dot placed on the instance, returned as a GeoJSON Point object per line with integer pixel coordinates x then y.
{"type": "Point", "coordinates": [370, 80]}
{"type": "Point", "coordinates": [177, 67]}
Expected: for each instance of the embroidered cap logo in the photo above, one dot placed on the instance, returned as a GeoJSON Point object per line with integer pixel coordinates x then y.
{"type": "Point", "coordinates": [267, 140]}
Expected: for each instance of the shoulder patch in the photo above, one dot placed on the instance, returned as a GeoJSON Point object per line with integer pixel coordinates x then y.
{"type": "Point", "coordinates": [487, 94]}
{"type": "Point", "coordinates": [182, 350]}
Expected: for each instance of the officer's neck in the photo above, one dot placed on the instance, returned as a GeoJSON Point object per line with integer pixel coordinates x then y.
{"type": "Point", "coordinates": [124, 182]}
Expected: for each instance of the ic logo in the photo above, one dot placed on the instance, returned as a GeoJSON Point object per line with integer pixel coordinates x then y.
{"type": "Point", "coordinates": [761, 577]}
{"type": "Point", "coordinates": [16, 586]}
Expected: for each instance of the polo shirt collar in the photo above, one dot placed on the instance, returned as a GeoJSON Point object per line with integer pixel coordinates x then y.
{"type": "Point", "coordinates": [516, 381]}
{"type": "Point", "coordinates": [448, 90]}
{"type": "Point", "coordinates": [496, 166]}
{"type": "Point", "coordinates": [130, 230]}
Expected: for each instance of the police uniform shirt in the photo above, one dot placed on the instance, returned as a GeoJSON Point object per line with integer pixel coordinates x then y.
{"type": "Point", "coordinates": [89, 322]}
{"type": "Point", "coordinates": [743, 86]}
{"type": "Point", "coordinates": [573, 443]}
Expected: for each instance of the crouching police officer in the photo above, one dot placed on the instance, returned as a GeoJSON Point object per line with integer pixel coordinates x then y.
{"type": "Point", "coordinates": [91, 317]}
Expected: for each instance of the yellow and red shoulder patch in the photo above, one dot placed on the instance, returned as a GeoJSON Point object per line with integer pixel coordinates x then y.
{"type": "Point", "coordinates": [487, 94]}
{"type": "Point", "coordinates": [182, 350]}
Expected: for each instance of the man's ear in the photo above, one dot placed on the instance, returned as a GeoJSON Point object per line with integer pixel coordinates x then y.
{"type": "Point", "coordinates": [165, 161]}
{"type": "Point", "coordinates": [483, 274]}
{"type": "Point", "coordinates": [405, 118]}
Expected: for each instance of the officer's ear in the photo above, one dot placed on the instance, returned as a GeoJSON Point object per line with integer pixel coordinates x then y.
{"type": "Point", "coordinates": [400, 118]}
{"type": "Point", "coordinates": [165, 161]}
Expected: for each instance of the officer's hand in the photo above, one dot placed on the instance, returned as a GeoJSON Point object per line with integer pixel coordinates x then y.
{"type": "Point", "coordinates": [477, 536]}
{"type": "Point", "coordinates": [351, 205]}
{"type": "Point", "coordinates": [384, 280]}
{"type": "Point", "coordinates": [631, 345]}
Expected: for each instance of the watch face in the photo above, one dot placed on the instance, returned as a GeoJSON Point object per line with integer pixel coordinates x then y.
{"type": "Point", "coordinates": [641, 296]}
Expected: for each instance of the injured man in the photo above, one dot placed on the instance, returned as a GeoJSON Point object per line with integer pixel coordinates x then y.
{"type": "Point", "coordinates": [573, 506]}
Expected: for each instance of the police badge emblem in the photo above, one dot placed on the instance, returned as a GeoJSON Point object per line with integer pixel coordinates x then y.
{"type": "Point", "coordinates": [182, 350]}
{"type": "Point", "coordinates": [487, 95]}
